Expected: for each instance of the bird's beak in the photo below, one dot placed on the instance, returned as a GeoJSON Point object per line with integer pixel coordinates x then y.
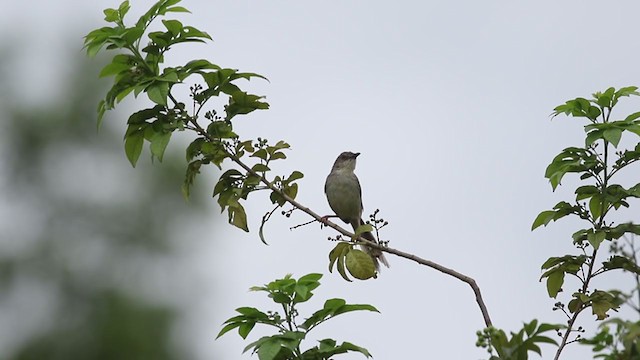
{"type": "Point", "coordinates": [357, 154]}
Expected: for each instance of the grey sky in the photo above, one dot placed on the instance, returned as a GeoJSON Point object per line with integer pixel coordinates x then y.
{"type": "Point", "coordinates": [449, 104]}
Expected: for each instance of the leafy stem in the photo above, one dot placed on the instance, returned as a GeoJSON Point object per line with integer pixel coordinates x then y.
{"type": "Point", "coordinates": [603, 197]}
{"type": "Point", "coordinates": [286, 344]}
{"type": "Point", "coordinates": [570, 324]}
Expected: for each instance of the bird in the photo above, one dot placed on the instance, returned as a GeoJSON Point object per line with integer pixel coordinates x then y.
{"type": "Point", "coordinates": [344, 195]}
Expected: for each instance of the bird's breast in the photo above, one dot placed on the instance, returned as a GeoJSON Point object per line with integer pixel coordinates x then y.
{"type": "Point", "coordinates": [343, 194]}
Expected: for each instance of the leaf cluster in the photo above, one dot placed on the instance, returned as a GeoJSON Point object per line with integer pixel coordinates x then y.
{"type": "Point", "coordinates": [286, 343]}
{"type": "Point", "coordinates": [345, 257]}
{"type": "Point", "coordinates": [616, 339]}
{"type": "Point", "coordinates": [518, 345]}
{"type": "Point", "coordinates": [594, 163]}
{"type": "Point", "coordinates": [138, 68]}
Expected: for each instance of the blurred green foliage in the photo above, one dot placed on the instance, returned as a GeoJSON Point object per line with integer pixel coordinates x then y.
{"type": "Point", "coordinates": [83, 231]}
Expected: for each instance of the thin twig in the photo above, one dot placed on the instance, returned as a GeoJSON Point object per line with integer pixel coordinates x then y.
{"type": "Point", "coordinates": [585, 286]}
{"type": "Point", "coordinates": [303, 224]}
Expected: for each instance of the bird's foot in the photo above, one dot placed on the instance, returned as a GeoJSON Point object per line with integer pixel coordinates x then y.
{"type": "Point", "coordinates": [324, 220]}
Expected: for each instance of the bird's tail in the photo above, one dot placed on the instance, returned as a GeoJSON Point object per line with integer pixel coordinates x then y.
{"type": "Point", "coordinates": [377, 255]}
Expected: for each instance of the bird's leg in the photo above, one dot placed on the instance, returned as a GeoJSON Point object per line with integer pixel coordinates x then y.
{"type": "Point", "coordinates": [323, 220]}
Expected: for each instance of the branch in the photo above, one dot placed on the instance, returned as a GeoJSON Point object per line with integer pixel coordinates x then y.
{"type": "Point", "coordinates": [419, 260]}
{"type": "Point", "coordinates": [442, 269]}
{"type": "Point", "coordinates": [565, 339]}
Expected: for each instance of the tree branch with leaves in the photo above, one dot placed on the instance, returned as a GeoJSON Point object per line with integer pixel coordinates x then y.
{"type": "Point", "coordinates": [595, 164]}
{"type": "Point", "coordinates": [139, 70]}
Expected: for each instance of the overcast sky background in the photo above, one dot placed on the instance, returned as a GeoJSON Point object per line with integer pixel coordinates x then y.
{"type": "Point", "coordinates": [449, 104]}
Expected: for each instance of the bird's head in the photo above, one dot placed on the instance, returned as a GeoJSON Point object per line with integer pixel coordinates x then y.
{"type": "Point", "coordinates": [346, 161]}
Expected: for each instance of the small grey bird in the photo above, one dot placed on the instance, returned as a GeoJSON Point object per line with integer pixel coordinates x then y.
{"type": "Point", "coordinates": [345, 199]}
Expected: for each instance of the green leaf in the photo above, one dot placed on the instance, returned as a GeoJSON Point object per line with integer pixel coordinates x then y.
{"type": "Point", "coordinates": [595, 206]}
{"type": "Point", "coordinates": [295, 176]}
{"type": "Point", "coordinates": [304, 287]}
{"type": "Point", "coordinates": [193, 169]}
{"type": "Point", "coordinates": [114, 69]}
{"type": "Point", "coordinates": [141, 116]}
{"type": "Point", "coordinates": [602, 302]}
{"type": "Point", "coordinates": [585, 192]}
{"type": "Point", "coordinates": [566, 264]}
{"type": "Point", "coordinates": [613, 136]}
{"type": "Point", "coordinates": [174, 26]}
{"type": "Point", "coordinates": [336, 252]}
{"type": "Point", "coordinates": [574, 305]}
{"type": "Point", "coordinates": [593, 112]}
{"type": "Point", "coordinates": [360, 265]}
{"type": "Point", "coordinates": [278, 155]}
{"type": "Point", "coordinates": [238, 217]}
{"type": "Point", "coordinates": [604, 99]}
{"type": "Point", "coordinates": [543, 218]}
{"type": "Point", "coordinates": [158, 92]}
{"type": "Point", "coordinates": [618, 231]}
{"type": "Point", "coordinates": [95, 40]}
{"type": "Point", "coordinates": [554, 283]}
{"type": "Point", "coordinates": [200, 64]}
{"type": "Point", "coordinates": [596, 238]}
{"type": "Point", "coordinates": [632, 117]}
{"type": "Point", "coordinates": [341, 262]}
{"type": "Point", "coordinates": [334, 304]}
{"type": "Point", "coordinates": [123, 9]}
{"type": "Point", "coordinates": [625, 91]}
{"type": "Point", "coordinates": [327, 348]}
{"type": "Point", "coordinates": [530, 327]}
{"type": "Point", "coordinates": [159, 142]}
{"type": "Point", "coordinates": [558, 267]}
{"type": "Point", "coordinates": [261, 154]}
{"type": "Point", "coordinates": [291, 190]}
{"type": "Point", "coordinates": [221, 130]}
{"type": "Point", "coordinates": [193, 33]}
{"type": "Point", "coordinates": [363, 229]}
{"type": "Point", "coordinates": [101, 110]}
{"type": "Point", "coordinates": [544, 327]}
{"type": "Point", "coordinates": [621, 262]}
{"type": "Point", "coordinates": [277, 198]}
{"type": "Point", "coordinates": [241, 103]}
{"type": "Point", "coordinates": [247, 75]}
{"type": "Point", "coordinates": [251, 312]}
{"type": "Point", "coordinates": [332, 308]}
{"type": "Point", "coordinates": [269, 349]}
{"type": "Point", "coordinates": [593, 136]}
{"type": "Point", "coordinates": [354, 307]}
{"type": "Point", "coordinates": [178, 9]}
{"type": "Point", "coordinates": [245, 329]}
{"type": "Point", "coordinates": [169, 75]}
{"type": "Point", "coordinates": [312, 278]}
{"type": "Point", "coordinates": [571, 160]}
{"type": "Point", "coordinates": [111, 15]}
{"type": "Point", "coordinates": [133, 146]}
{"type": "Point", "coordinates": [228, 328]}
{"type": "Point", "coordinates": [561, 210]}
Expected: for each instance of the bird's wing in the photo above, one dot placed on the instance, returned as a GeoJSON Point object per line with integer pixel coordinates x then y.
{"type": "Point", "coordinates": [359, 193]}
